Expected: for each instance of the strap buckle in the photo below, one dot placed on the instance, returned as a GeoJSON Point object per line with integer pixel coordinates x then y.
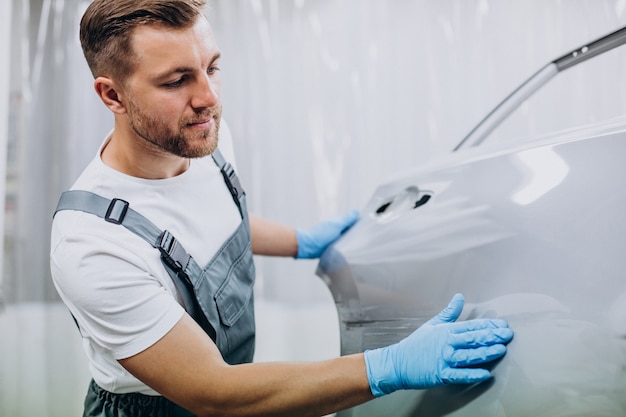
{"type": "Point", "coordinates": [232, 180]}
{"type": "Point", "coordinates": [173, 254]}
{"type": "Point", "coordinates": [116, 211]}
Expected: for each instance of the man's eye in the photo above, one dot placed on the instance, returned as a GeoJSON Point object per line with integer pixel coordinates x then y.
{"type": "Point", "coordinates": [176, 83]}
{"type": "Point", "coordinates": [213, 70]}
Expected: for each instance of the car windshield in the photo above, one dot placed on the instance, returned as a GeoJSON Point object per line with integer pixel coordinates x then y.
{"type": "Point", "coordinates": [537, 110]}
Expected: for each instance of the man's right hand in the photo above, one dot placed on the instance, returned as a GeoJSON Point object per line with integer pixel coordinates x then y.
{"type": "Point", "coordinates": [439, 352]}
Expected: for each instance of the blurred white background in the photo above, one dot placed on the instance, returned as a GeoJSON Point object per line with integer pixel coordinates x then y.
{"type": "Point", "coordinates": [325, 99]}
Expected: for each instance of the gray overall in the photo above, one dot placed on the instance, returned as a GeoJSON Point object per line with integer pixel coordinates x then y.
{"type": "Point", "coordinates": [219, 296]}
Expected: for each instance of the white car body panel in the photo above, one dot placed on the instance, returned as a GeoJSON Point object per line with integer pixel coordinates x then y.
{"type": "Point", "coordinates": [534, 234]}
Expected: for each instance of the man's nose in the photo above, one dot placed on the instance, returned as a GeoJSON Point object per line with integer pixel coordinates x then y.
{"type": "Point", "coordinates": [205, 93]}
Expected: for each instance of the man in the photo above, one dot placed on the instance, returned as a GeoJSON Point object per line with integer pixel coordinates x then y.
{"type": "Point", "coordinates": [152, 248]}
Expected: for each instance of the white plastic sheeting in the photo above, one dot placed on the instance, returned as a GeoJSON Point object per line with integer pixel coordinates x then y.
{"type": "Point", "coordinates": [5, 44]}
{"type": "Point", "coordinates": [325, 99]}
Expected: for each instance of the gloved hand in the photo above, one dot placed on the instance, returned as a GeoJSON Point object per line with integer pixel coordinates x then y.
{"type": "Point", "coordinates": [438, 353]}
{"type": "Point", "coordinates": [312, 242]}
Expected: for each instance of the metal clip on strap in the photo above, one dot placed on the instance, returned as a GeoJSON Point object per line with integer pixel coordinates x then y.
{"type": "Point", "coordinates": [116, 211]}
{"type": "Point", "coordinates": [232, 180]}
{"type": "Point", "coordinates": [173, 253]}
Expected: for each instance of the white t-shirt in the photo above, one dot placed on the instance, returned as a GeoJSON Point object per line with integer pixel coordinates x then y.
{"type": "Point", "coordinates": [113, 281]}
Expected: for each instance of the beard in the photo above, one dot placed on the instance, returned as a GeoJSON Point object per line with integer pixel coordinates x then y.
{"type": "Point", "coordinates": [180, 141]}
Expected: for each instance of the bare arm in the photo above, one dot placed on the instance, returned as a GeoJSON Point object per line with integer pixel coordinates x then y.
{"type": "Point", "coordinates": [272, 238]}
{"type": "Point", "coordinates": [186, 367]}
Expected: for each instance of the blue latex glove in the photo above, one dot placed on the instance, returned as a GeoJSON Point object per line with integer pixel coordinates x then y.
{"type": "Point", "coordinates": [312, 242]}
{"type": "Point", "coordinates": [438, 353]}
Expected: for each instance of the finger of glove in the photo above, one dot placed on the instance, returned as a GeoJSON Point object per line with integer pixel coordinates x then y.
{"type": "Point", "coordinates": [478, 338]}
{"type": "Point", "coordinates": [464, 376]}
{"type": "Point", "coordinates": [451, 312]}
{"type": "Point", "coordinates": [465, 357]}
{"type": "Point", "coordinates": [346, 221]}
{"type": "Point", "coordinates": [477, 324]}
{"type": "Point", "coordinates": [312, 242]}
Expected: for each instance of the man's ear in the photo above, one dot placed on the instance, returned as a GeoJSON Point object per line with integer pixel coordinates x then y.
{"type": "Point", "coordinates": [109, 92]}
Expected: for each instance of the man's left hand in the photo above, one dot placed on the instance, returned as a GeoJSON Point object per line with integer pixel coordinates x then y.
{"type": "Point", "coordinates": [312, 242]}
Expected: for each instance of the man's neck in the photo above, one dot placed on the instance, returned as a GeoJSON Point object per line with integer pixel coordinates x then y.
{"type": "Point", "coordinates": [139, 158]}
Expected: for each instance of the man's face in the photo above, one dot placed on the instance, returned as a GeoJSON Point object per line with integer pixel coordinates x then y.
{"type": "Point", "coordinates": [173, 96]}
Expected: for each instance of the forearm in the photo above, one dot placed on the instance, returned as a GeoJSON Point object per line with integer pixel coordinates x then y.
{"type": "Point", "coordinates": [289, 389]}
{"type": "Point", "coordinates": [271, 238]}
{"type": "Point", "coordinates": [186, 367]}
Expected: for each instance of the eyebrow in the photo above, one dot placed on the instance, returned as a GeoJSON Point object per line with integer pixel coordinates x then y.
{"type": "Point", "coordinates": [184, 70]}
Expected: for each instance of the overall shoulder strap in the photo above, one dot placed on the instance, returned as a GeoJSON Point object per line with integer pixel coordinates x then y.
{"type": "Point", "coordinates": [117, 211]}
{"type": "Point", "coordinates": [230, 177]}
{"type": "Point", "coordinates": [114, 211]}
{"type": "Point", "coordinates": [181, 265]}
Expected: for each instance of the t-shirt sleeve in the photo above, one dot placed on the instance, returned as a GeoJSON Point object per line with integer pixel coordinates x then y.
{"type": "Point", "coordinates": [117, 300]}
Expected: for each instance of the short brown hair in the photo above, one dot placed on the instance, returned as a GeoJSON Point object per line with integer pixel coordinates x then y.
{"type": "Point", "coordinates": [107, 26]}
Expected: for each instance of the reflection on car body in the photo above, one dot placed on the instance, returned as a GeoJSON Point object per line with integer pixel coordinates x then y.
{"type": "Point", "coordinates": [533, 233]}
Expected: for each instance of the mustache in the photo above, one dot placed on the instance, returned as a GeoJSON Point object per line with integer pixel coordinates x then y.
{"type": "Point", "coordinates": [202, 117]}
